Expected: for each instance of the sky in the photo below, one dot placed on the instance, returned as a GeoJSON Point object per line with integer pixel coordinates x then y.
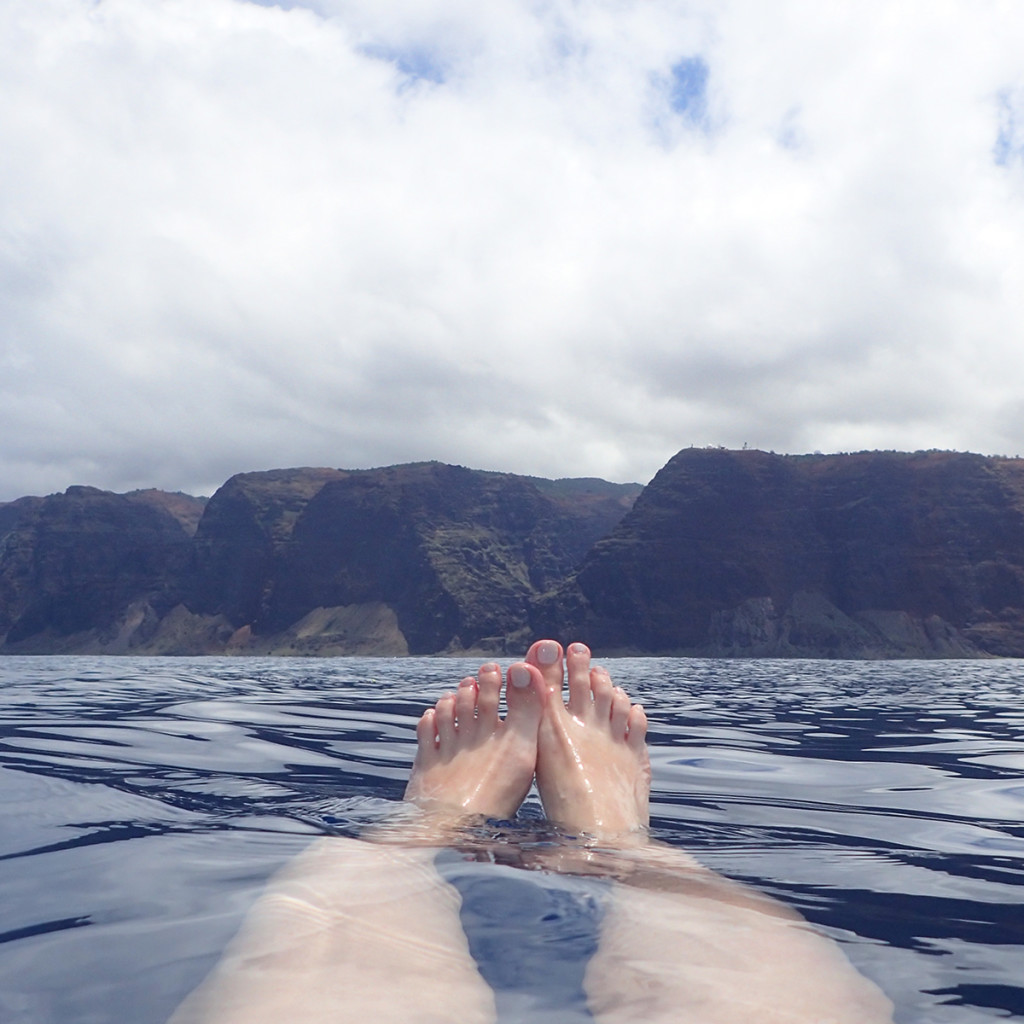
{"type": "Point", "coordinates": [552, 237]}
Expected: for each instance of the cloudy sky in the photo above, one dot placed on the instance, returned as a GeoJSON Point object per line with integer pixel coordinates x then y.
{"type": "Point", "coordinates": [556, 237]}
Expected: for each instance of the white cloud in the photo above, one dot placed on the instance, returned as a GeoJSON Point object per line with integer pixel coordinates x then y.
{"type": "Point", "coordinates": [529, 236]}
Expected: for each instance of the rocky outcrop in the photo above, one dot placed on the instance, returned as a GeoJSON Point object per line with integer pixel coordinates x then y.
{"type": "Point", "coordinates": [12, 512]}
{"type": "Point", "coordinates": [407, 559]}
{"type": "Point", "coordinates": [244, 529]}
{"type": "Point", "coordinates": [457, 554]}
{"type": "Point", "coordinates": [740, 554]}
{"type": "Point", "coordinates": [77, 569]}
{"type": "Point", "coordinates": [185, 508]}
{"type": "Point", "coordinates": [877, 554]}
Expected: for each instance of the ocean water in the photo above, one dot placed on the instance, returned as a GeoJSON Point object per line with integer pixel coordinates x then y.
{"type": "Point", "coordinates": [145, 802]}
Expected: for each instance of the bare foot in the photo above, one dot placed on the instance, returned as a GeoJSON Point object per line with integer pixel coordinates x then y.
{"type": "Point", "coordinates": [470, 761]}
{"type": "Point", "coordinates": [593, 771]}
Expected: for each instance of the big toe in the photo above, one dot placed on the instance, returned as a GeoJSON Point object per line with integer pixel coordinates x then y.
{"type": "Point", "coordinates": [525, 696]}
{"type": "Point", "coordinates": [546, 657]}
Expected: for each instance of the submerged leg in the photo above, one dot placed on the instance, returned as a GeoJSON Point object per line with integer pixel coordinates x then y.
{"type": "Point", "coordinates": [369, 931]}
{"type": "Point", "coordinates": [677, 941]}
{"type": "Point", "coordinates": [350, 930]}
{"type": "Point", "coordinates": [677, 947]}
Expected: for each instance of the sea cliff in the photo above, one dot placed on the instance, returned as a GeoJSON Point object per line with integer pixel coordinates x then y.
{"type": "Point", "coordinates": [744, 553]}
{"type": "Point", "coordinates": [724, 553]}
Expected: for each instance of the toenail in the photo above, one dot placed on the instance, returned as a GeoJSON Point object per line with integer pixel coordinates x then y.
{"type": "Point", "coordinates": [547, 654]}
{"type": "Point", "coordinates": [519, 676]}
{"type": "Point", "coordinates": [578, 649]}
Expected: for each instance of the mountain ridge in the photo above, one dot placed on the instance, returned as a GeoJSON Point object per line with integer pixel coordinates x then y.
{"type": "Point", "coordinates": [415, 558]}
{"type": "Point", "coordinates": [746, 553]}
{"type": "Point", "coordinates": [724, 553]}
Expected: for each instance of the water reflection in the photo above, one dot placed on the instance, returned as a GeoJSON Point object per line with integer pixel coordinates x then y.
{"type": "Point", "coordinates": [143, 803]}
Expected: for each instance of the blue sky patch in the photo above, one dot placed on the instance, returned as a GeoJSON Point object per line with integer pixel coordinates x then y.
{"type": "Point", "coordinates": [1009, 145]}
{"type": "Point", "coordinates": [415, 65]}
{"type": "Point", "coordinates": [688, 88]}
{"type": "Point", "coordinates": [790, 134]}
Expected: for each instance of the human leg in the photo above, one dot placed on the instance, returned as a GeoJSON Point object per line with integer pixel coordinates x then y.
{"type": "Point", "coordinates": [677, 945]}
{"type": "Point", "coordinates": [368, 930]}
{"type": "Point", "coordinates": [348, 931]}
{"type": "Point", "coordinates": [677, 941]}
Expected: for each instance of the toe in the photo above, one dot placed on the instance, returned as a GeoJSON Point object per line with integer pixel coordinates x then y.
{"type": "Point", "coordinates": [577, 663]}
{"type": "Point", "coordinates": [620, 713]}
{"type": "Point", "coordinates": [426, 736]}
{"type": "Point", "coordinates": [525, 695]}
{"type": "Point", "coordinates": [637, 726]}
{"type": "Point", "coordinates": [488, 695]}
{"type": "Point", "coordinates": [444, 718]}
{"type": "Point", "coordinates": [603, 690]}
{"type": "Point", "coordinates": [546, 657]}
{"type": "Point", "coordinates": [465, 707]}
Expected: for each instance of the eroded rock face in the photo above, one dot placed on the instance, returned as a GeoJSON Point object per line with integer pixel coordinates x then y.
{"type": "Point", "coordinates": [75, 564]}
{"type": "Point", "coordinates": [245, 527]}
{"type": "Point", "coordinates": [869, 555]}
{"type": "Point", "coordinates": [725, 553]}
{"type": "Point", "coordinates": [408, 559]}
{"type": "Point", "coordinates": [456, 553]}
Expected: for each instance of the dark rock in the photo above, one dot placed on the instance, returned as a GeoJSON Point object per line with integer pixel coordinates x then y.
{"type": "Point", "coordinates": [418, 558]}
{"type": "Point", "coordinates": [456, 553]}
{"type": "Point", "coordinates": [186, 508]}
{"type": "Point", "coordinates": [75, 563]}
{"type": "Point", "coordinates": [879, 554]}
{"type": "Point", "coordinates": [866, 555]}
{"type": "Point", "coordinates": [243, 529]}
{"type": "Point", "coordinates": [12, 512]}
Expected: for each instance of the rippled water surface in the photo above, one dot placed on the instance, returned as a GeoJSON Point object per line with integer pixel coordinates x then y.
{"type": "Point", "coordinates": [144, 803]}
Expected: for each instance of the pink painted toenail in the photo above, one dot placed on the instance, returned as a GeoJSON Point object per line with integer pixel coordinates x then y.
{"type": "Point", "coordinates": [578, 649]}
{"type": "Point", "coordinates": [547, 654]}
{"type": "Point", "coordinates": [519, 676]}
